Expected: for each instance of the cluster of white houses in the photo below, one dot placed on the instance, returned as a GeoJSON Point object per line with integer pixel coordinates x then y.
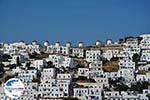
{"type": "Point", "coordinates": [62, 72]}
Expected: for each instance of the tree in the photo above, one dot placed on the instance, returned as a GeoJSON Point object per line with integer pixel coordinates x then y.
{"type": "Point", "coordinates": [38, 74]}
{"type": "Point", "coordinates": [139, 86]}
{"type": "Point", "coordinates": [139, 38]}
{"type": "Point", "coordinates": [114, 59]}
{"type": "Point", "coordinates": [12, 66]}
{"type": "Point", "coordinates": [121, 40]}
{"type": "Point", "coordinates": [136, 58]}
{"type": "Point", "coordinates": [49, 65]}
{"type": "Point", "coordinates": [18, 62]}
{"type": "Point", "coordinates": [33, 55]}
{"type": "Point", "coordinates": [5, 57]}
{"type": "Point", "coordinates": [121, 87]}
{"type": "Point", "coordinates": [1, 69]}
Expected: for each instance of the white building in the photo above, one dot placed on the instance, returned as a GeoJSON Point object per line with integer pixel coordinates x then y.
{"type": "Point", "coordinates": [77, 52]}
{"type": "Point", "coordinates": [143, 77]}
{"type": "Point", "coordinates": [10, 49]}
{"type": "Point", "coordinates": [112, 95]}
{"type": "Point", "coordinates": [47, 74]}
{"type": "Point", "coordinates": [127, 74]}
{"type": "Point", "coordinates": [64, 76]}
{"type": "Point", "coordinates": [112, 75]}
{"type": "Point", "coordinates": [87, 93]}
{"type": "Point", "coordinates": [20, 44]}
{"type": "Point", "coordinates": [116, 95]}
{"type": "Point", "coordinates": [145, 42]}
{"type": "Point", "coordinates": [108, 54]}
{"type": "Point", "coordinates": [131, 46]}
{"type": "Point", "coordinates": [144, 67]}
{"type": "Point", "coordinates": [83, 72]}
{"type": "Point", "coordinates": [39, 64]}
{"type": "Point", "coordinates": [27, 75]}
{"type": "Point", "coordinates": [50, 90]}
{"type": "Point", "coordinates": [55, 89]}
{"type": "Point", "coordinates": [64, 85]}
{"type": "Point", "coordinates": [146, 91]}
{"type": "Point", "coordinates": [62, 61]}
{"type": "Point", "coordinates": [17, 59]}
{"type": "Point", "coordinates": [24, 53]}
{"type": "Point", "coordinates": [96, 64]}
{"type": "Point", "coordinates": [102, 80]}
{"type": "Point", "coordinates": [58, 49]}
{"type": "Point", "coordinates": [145, 55]}
{"type": "Point", "coordinates": [93, 55]}
{"type": "Point", "coordinates": [127, 63]}
{"type": "Point", "coordinates": [30, 92]}
{"type": "Point", "coordinates": [131, 96]}
{"type": "Point", "coordinates": [34, 47]}
{"type": "Point", "coordinates": [96, 69]}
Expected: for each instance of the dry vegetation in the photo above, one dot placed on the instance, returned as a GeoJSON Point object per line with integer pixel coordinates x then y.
{"type": "Point", "coordinates": [111, 66]}
{"type": "Point", "coordinates": [81, 62]}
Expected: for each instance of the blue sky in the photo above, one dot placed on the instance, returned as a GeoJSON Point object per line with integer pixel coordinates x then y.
{"type": "Point", "coordinates": [72, 20]}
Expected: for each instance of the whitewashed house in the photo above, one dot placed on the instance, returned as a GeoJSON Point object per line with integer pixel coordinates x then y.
{"type": "Point", "coordinates": [93, 55]}
{"type": "Point", "coordinates": [47, 74]}
{"type": "Point", "coordinates": [145, 56]}
{"type": "Point", "coordinates": [34, 47]}
{"type": "Point", "coordinates": [64, 76]}
{"type": "Point", "coordinates": [30, 92]}
{"type": "Point", "coordinates": [108, 54]}
{"type": "Point", "coordinates": [58, 49]}
{"type": "Point", "coordinates": [145, 42]}
{"type": "Point", "coordinates": [50, 90]}
{"type": "Point", "coordinates": [133, 43]}
{"type": "Point", "coordinates": [20, 44]}
{"type": "Point", "coordinates": [96, 64]}
{"type": "Point", "coordinates": [39, 64]}
{"type": "Point", "coordinates": [96, 69]}
{"type": "Point", "coordinates": [81, 93]}
{"type": "Point", "coordinates": [16, 70]}
{"type": "Point", "coordinates": [116, 95]}
{"type": "Point", "coordinates": [131, 46]}
{"type": "Point", "coordinates": [112, 95]}
{"type": "Point", "coordinates": [62, 61]}
{"type": "Point", "coordinates": [93, 84]}
{"type": "Point", "coordinates": [144, 67]}
{"type": "Point", "coordinates": [24, 53]}
{"type": "Point", "coordinates": [55, 89]}
{"type": "Point", "coordinates": [131, 96]}
{"type": "Point", "coordinates": [112, 75]}
{"type": "Point", "coordinates": [83, 72]}
{"type": "Point", "coordinates": [10, 49]}
{"type": "Point", "coordinates": [143, 77]}
{"type": "Point", "coordinates": [127, 74]}
{"type": "Point", "coordinates": [102, 80]}
{"type": "Point", "coordinates": [127, 63]}
{"type": "Point", "coordinates": [77, 52]}
{"type": "Point", "coordinates": [64, 86]}
{"type": "Point", "coordinates": [87, 93]}
{"type": "Point", "coordinates": [17, 59]}
{"type": "Point", "coordinates": [27, 75]}
{"type": "Point", "coordinates": [146, 91]}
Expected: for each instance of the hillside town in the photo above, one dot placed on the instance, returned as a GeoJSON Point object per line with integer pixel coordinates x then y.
{"type": "Point", "coordinates": [102, 71]}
